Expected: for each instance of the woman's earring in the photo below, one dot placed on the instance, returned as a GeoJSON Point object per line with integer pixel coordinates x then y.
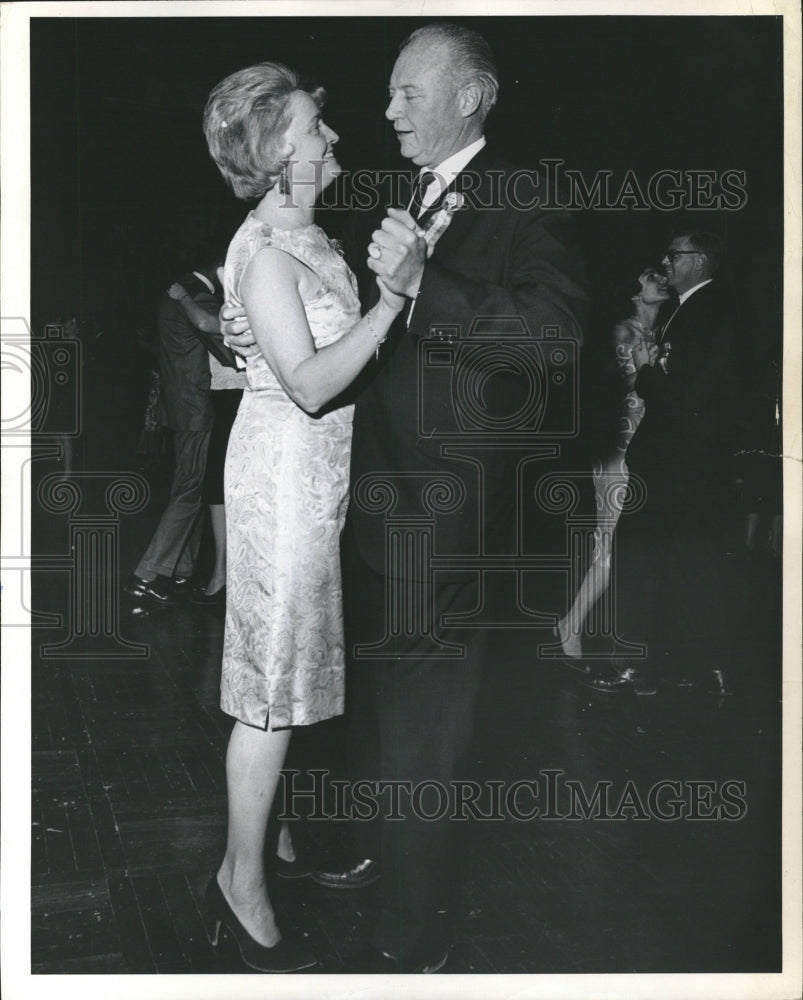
{"type": "Point", "coordinates": [284, 186]}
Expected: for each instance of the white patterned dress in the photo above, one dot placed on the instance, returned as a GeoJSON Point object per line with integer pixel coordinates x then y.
{"type": "Point", "coordinates": [286, 493]}
{"type": "Point", "coordinates": [610, 473]}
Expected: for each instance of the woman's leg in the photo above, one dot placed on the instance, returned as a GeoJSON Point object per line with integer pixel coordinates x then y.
{"type": "Point", "coordinates": [217, 515]}
{"type": "Point", "coordinates": [610, 480]}
{"type": "Point", "coordinates": [253, 762]}
{"type": "Point", "coordinates": [594, 585]}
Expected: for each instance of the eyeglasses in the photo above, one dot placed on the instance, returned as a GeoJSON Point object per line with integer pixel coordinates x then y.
{"type": "Point", "coordinates": [672, 254]}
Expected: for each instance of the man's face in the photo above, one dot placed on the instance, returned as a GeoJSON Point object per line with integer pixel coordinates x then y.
{"type": "Point", "coordinates": [682, 265]}
{"type": "Point", "coordinates": [424, 105]}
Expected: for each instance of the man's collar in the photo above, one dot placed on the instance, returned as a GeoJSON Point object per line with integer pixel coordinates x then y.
{"type": "Point", "coordinates": [689, 292]}
{"type": "Point", "coordinates": [205, 281]}
{"type": "Point", "coordinates": [446, 172]}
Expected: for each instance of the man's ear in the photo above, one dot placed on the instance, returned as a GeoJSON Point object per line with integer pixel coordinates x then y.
{"type": "Point", "coordinates": [470, 99]}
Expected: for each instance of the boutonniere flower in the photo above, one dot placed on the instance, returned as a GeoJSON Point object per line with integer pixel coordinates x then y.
{"type": "Point", "coordinates": [663, 361]}
{"type": "Point", "coordinates": [442, 219]}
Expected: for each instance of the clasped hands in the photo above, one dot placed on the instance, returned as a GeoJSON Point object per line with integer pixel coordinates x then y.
{"type": "Point", "coordinates": [398, 252]}
{"type": "Point", "coordinates": [396, 255]}
{"type": "Point", "coordinates": [644, 353]}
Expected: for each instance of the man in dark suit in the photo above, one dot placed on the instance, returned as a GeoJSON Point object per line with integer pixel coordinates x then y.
{"type": "Point", "coordinates": [669, 562]}
{"type": "Point", "coordinates": [169, 561]}
{"type": "Point", "coordinates": [471, 263]}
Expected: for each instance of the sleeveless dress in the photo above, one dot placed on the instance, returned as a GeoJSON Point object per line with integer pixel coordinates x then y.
{"type": "Point", "coordinates": [611, 473]}
{"type": "Point", "coordinates": [286, 494]}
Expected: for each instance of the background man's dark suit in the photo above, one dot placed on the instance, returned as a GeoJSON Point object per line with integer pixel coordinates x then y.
{"type": "Point", "coordinates": [490, 262]}
{"type": "Point", "coordinates": [183, 360]}
{"type": "Point", "coordinates": [187, 411]}
{"type": "Point", "coordinates": [669, 580]}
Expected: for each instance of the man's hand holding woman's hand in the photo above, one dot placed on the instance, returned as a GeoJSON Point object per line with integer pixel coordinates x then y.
{"type": "Point", "coordinates": [398, 253]}
{"type": "Point", "coordinates": [644, 354]}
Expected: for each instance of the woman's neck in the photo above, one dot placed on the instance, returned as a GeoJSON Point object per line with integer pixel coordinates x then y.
{"type": "Point", "coordinates": [646, 314]}
{"type": "Point", "coordinates": [283, 211]}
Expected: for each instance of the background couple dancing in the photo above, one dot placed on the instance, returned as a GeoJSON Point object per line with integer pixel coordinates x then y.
{"type": "Point", "coordinates": [318, 333]}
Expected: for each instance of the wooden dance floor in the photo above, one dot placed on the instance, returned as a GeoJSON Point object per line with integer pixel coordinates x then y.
{"type": "Point", "coordinates": [129, 807]}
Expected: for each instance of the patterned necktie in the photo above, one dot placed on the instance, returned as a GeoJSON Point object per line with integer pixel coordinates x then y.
{"type": "Point", "coordinates": [417, 201]}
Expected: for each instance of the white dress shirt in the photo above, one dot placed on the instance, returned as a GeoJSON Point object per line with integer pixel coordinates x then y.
{"type": "Point", "coordinates": [446, 172]}
{"type": "Point", "coordinates": [690, 291]}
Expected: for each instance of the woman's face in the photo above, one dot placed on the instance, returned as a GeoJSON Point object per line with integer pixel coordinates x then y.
{"type": "Point", "coordinates": [311, 165]}
{"type": "Point", "coordinates": [653, 287]}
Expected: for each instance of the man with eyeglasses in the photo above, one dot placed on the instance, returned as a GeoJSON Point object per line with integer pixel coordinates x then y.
{"type": "Point", "coordinates": [670, 553]}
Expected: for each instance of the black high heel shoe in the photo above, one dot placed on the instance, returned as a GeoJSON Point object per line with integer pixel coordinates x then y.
{"type": "Point", "coordinates": [286, 956]}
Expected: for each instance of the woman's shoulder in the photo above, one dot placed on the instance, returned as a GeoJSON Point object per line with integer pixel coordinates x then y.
{"type": "Point", "coordinates": [256, 252]}
{"type": "Point", "coordinates": [625, 332]}
{"type": "Point", "coordinates": [253, 235]}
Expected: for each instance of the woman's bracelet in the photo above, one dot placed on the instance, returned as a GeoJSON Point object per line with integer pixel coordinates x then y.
{"type": "Point", "coordinates": [186, 295]}
{"type": "Point", "coordinates": [379, 340]}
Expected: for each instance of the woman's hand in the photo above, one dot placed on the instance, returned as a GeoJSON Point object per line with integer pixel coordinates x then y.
{"type": "Point", "coordinates": [177, 291]}
{"type": "Point", "coordinates": [398, 251]}
{"type": "Point", "coordinates": [644, 353]}
{"type": "Point", "coordinates": [393, 301]}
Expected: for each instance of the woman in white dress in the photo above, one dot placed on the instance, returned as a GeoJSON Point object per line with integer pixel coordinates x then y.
{"type": "Point", "coordinates": [286, 480]}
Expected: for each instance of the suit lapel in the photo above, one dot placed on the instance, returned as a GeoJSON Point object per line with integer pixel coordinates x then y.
{"type": "Point", "coordinates": [670, 317]}
{"type": "Point", "coordinates": [479, 194]}
{"type": "Point", "coordinates": [690, 306]}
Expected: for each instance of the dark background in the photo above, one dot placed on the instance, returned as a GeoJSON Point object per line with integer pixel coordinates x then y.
{"type": "Point", "coordinates": [123, 195]}
{"type": "Point", "coordinates": [123, 189]}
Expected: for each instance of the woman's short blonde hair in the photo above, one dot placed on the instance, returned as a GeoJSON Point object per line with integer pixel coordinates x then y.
{"type": "Point", "coordinates": [245, 122]}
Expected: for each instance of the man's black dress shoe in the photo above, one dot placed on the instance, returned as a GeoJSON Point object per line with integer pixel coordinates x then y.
{"type": "Point", "coordinates": [713, 682]}
{"type": "Point", "coordinates": [609, 680]}
{"type": "Point", "coordinates": [615, 678]}
{"type": "Point", "coordinates": [216, 600]}
{"type": "Point", "coordinates": [374, 962]}
{"type": "Point", "coordinates": [290, 869]}
{"type": "Point", "coordinates": [162, 589]}
{"type": "Point", "coordinates": [718, 684]}
{"type": "Point", "coordinates": [362, 874]}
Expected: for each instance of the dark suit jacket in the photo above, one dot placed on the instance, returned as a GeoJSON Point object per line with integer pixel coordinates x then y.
{"type": "Point", "coordinates": [183, 360]}
{"type": "Point", "coordinates": [692, 422]}
{"type": "Point", "coordinates": [495, 260]}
